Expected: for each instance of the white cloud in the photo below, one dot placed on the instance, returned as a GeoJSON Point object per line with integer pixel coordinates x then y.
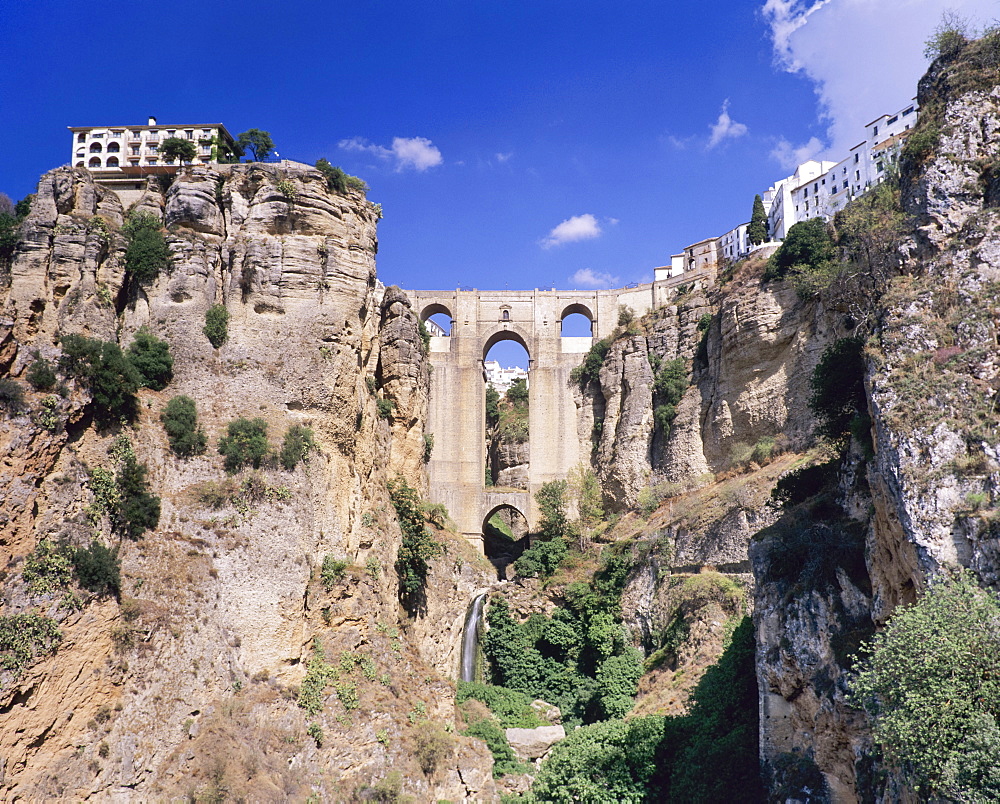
{"type": "Point", "coordinates": [587, 278]}
{"type": "Point", "coordinates": [863, 57]}
{"type": "Point", "coordinates": [418, 153]}
{"type": "Point", "coordinates": [789, 156]}
{"type": "Point", "coordinates": [725, 128]}
{"type": "Point", "coordinates": [579, 227]}
{"type": "Point", "coordinates": [503, 157]}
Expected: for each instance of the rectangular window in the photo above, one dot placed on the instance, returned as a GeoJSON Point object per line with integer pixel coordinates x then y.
{"type": "Point", "coordinates": [892, 120]}
{"type": "Point", "coordinates": [151, 160]}
{"type": "Point", "coordinates": [135, 150]}
{"type": "Point", "coordinates": [856, 156]}
{"type": "Point", "coordinates": [874, 131]}
{"type": "Point", "coordinates": [845, 184]}
{"type": "Point", "coordinates": [134, 162]}
{"type": "Point", "coordinates": [98, 136]}
{"type": "Point", "coordinates": [816, 187]}
{"type": "Point", "coordinates": [206, 132]}
{"type": "Point", "coordinates": [857, 175]}
{"type": "Point", "coordinates": [189, 134]}
{"type": "Point", "coordinates": [117, 133]}
{"type": "Point", "coordinates": [171, 132]}
{"type": "Point", "coordinates": [908, 111]}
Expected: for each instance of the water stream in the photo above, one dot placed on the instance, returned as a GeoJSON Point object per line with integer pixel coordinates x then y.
{"type": "Point", "coordinates": [470, 638]}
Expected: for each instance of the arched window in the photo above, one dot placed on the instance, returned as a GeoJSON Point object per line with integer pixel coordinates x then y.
{"type": "Point", "coordinates": [113, 147]}
{"type": "Point", "coordinates": [80, 164]}
{"type": "Point", "coordinates": [95, 147]}
{"type": "Point", "coordinates": [112, 161]}
{"type": "Point", "coordinates": [506, 315]}
{"type": "Point", "coordinates": [95, 161]}
{"type": "Point", "coordinates": [81, 137]}
{"type": "Point", "coordinates": [81, 151]}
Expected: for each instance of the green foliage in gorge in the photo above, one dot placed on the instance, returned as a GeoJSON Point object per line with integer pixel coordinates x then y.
{"type": "Point", "coordinates": [838, 390]}
{"type": "Point", "coordinates": [668, 386]}
{"type": "Point", "coordinates": [98, 569]}
{"type": "Point", "coordinates": [25, 639]}
{"type": "Point", "coordinates": [418, 545]}
{"type": "Point", "coordinates": [111, 378]}
{"type": "Point", "coordinates": [504, 759]}
{"type": "Point", "coordinates": [180, 420]}
{"type": "Point", "coordinates": [216, 327]}
{"type": "Point", "coordinates": [40, 375]}
{"type": "Point", "coordinates": [931, 683]}
{"type": "Point", "coordinates": [146, 252]}
{"type": "Point", "coordinates": [545, 556]}
{"type": "Point", "coordinates": [296, 445]}
{"type": "Point", "coordinates": [590, 369]}
{"type": "Point", "coordinates": [151, 358]}
{"type": "Point", "coordinates": [245, 443]}
{"type": "Point", "coordinates": [511, 708]}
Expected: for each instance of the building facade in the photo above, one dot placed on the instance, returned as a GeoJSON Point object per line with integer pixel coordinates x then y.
{"type": "Point", "coordinates": [133, 150]}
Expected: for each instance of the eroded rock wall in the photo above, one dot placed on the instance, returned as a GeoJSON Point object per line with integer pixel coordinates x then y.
{"type": "Point", "coordinates": [189, 684]}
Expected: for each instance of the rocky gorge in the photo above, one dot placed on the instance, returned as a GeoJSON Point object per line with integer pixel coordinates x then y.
{"type": "Point", "coordinates": [257, 587]}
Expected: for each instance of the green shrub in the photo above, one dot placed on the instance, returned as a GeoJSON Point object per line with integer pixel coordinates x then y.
{"type": "Point", "coordinates": [332, 571]}
{"type": "Point", "coordinates": [922, 142]}
{"type": "Point", "coordinates": [931, 684]}
{"type": "Point", "coordinates": [150, 357]}
{"type": "Point", "coordinates": [40, 375]}
{"type": "Point", "coordinates": [25, 639]}
{"type": "Point", "coordinates": [807, 247]}
{"type": "Point", "coordinates": [590, 369]}
{"type": "Point", "coordinates": [838, 389]}
{"type": "Point", "coordinates": [337, 180]}
{"type": "Point", "coordinates": [245, 443]}
{"type": "Point", "coordinates": [669, 384]}
{"type": "Point", "coordinates": [140, 510]}
{"type": "Point", "coordinates": [543, 558]}
{"type": "Point", "coordinates": [47, 569]}
{"type": "Point", "coordinates": [180, 420]}
{"type": "Point", "coordinates": [804, 483]}
{"type": "Point", "coordinates": [146, 252]}
{"type": "Point", "coordinates": [385, 407]}
{"type": "Point", "coordinates": [11, 395]}
{"type": "Point", "coordinates": [417, 547]}
{"type": "Point", "coordinates": [504, 759]}
{"type": "Point", "coordinates": [511, 708]}
{"type": "Point", "coordinates": [98, 569]}
{"type": "Point", "coordinates": [428, 447]}
{"type": "Point", "coordinates": [295, 446]}
{"type": "Point", "coordinates": [216, 327]}
{"type": "Point", "coordinates": [111, 378]}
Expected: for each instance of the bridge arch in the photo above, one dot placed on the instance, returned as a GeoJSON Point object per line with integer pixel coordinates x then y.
{"type": "Point", "coordinates": [582, 309]}
{"type": "Point", "coordinates": [505, 535]}
{"type": "Point", "coordinates": [507, 333]}
{"type": "Point", "coordinates": [433, 309]}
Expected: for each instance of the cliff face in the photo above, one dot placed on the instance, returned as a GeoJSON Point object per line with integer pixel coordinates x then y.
{"type": "Point", "coordinates": [189, 685]}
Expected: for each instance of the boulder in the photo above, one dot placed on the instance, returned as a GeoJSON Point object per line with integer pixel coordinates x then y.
{"type": "Point", "coordinates": [531, 744]}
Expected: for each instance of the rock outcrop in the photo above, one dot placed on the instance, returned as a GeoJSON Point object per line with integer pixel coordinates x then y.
{"type": "Point", "coordinates": [189, 685]}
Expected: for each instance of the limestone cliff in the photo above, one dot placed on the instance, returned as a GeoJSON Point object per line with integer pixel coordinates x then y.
{"type": "Point", "coordinates": [189, 684]}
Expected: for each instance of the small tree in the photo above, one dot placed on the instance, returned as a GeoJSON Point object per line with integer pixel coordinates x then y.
{"type": "Point", "coordinates": [40, 375]}
{"type": "Point", "coordinates": [180, 420]}
{"type": "Point", "coordinates": [517, 394]}
{"type": "Point", "coordinates": [245, 442]}
{"type": "Point", "coordinates": [177, 148]}
{"type": "Point", "coordinates": [757, 231]}
{"type": "Point", "coordinates": [296, 445]}
{"type": "Point", "coordinates": [950, 36]}
{"type": "Point", "coordinates": [257, 142]}
{"type": "Point", "coordinates": [151, 358]}
{"type": "Point", "coordinates": [97, 568]}
{"type": "Point", "coordinates": [140, 510]}
{"type": "Point", "coordinates": [807, 247]}
{"type": "Point", "coordinates": [216, 327]}
{"type": "Point", "coordinates": [146, 251]}
{"type": "Point", "coordinates": [418, 545]}
{"type": "Point", "coordinates": [931, 682]}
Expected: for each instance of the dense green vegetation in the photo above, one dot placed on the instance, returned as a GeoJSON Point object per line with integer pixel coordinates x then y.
{"type": "Point", "coordinates": [807, 247]}
{"type": "Point", "coordinates": [931, 683]}
{"type": "Point", "coordinates": [340, 182]}
{"type": "Point", "coordinates": [589, 370]}
{"type": "Point", "coordinates": [11, 216]}
{"type": "Point", "coordinates": [709, 755]}
{"type": "Point", "coordinates": [417, 548]}
{"type": "Point", "coordinates": [177, 148]}
{"type": "Point", "coordinates": [151, 358]}
{"type": "Point", "coordinates": [40, 374]}
{"type": "Point", "coordinates": [545, 555]}
{"type": "Point", "coordinates": [838, 391]}
{"type": "Point", "coordinates": [295, 446]}
{"type": "Point", "coordinates": [146, 252]}
{"type": "Point", "coordinates": [180, 420]}
{"type": "Point", "coordinates": [25, 639]}
{"type": "Point", "coordinates": [216, 327]}
{"type": "Point", "coordinates": [669, 384]}
{"type": "Point", "coordinates": [98, 569]}
{"type": "Point", "coordinates": [245, 442]}
{"type": "Point", "coordinates": [257, 142]}
{"type": "Point", "coordinates": [11, 396]}
{"type": "Point", "coordinates": [757, 230]}
{"type": "Point", "coordinates": [104, 369]}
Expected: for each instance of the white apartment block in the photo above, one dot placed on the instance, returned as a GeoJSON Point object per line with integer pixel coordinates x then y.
{"type": "Point", "coordinates": [821, 189]}
{"type": "Point", "coordinates": [132, 150]}
{"type": "Point", "coordinates": [502, 378]}
{"type": "Point", "coordinates": [735, 244]}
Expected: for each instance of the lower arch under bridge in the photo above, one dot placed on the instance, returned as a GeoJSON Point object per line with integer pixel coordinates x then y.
{"type": "Point", "coordinates": [457, 415]}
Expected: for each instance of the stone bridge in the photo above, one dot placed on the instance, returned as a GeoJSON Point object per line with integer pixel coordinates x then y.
{"type": "Point", "coordinates": [457, 416]}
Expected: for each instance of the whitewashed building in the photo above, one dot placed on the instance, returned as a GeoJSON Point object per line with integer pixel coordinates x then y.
{"type": "Point", "coordinates": [502, 378]}
{"type": "Point", "coordinates": [132, 150]}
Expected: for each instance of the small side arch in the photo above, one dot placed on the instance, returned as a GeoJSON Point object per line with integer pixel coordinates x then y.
{"type": "Point", "coordinates": [433, 309]}
{"type": "Point", "coordinates": [571, 321]}
{"type": "Point", "coordinates": [505, 536]}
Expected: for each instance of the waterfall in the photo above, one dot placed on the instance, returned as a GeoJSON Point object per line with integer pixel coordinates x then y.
{"type": "Point", "coordinates": [470, 638]}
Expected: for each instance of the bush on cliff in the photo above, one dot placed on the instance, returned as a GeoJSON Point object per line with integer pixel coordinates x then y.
{"type": "Point", "coordinates": [418, 545]}
{"type": "Point", "coordinates": [931, 683]}
{"type": "Point", "coordinates": [245, 442]}
{"type": "Point", "coordinates": [807, 247]}
{"type": "Point", "coordinates": [180, 420]}
{"type": "Point", "coordinates": [151, 358]}
{"type": "Point", "coordinates": [146, 252]}
{"type": "Point", "coordinates": [216, 327]}
{"type": "Point", "coordinates": [111, 378]}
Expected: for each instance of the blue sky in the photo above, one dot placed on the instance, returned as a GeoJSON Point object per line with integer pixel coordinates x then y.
{"type": "Point", "coordinates": [511, 144]}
